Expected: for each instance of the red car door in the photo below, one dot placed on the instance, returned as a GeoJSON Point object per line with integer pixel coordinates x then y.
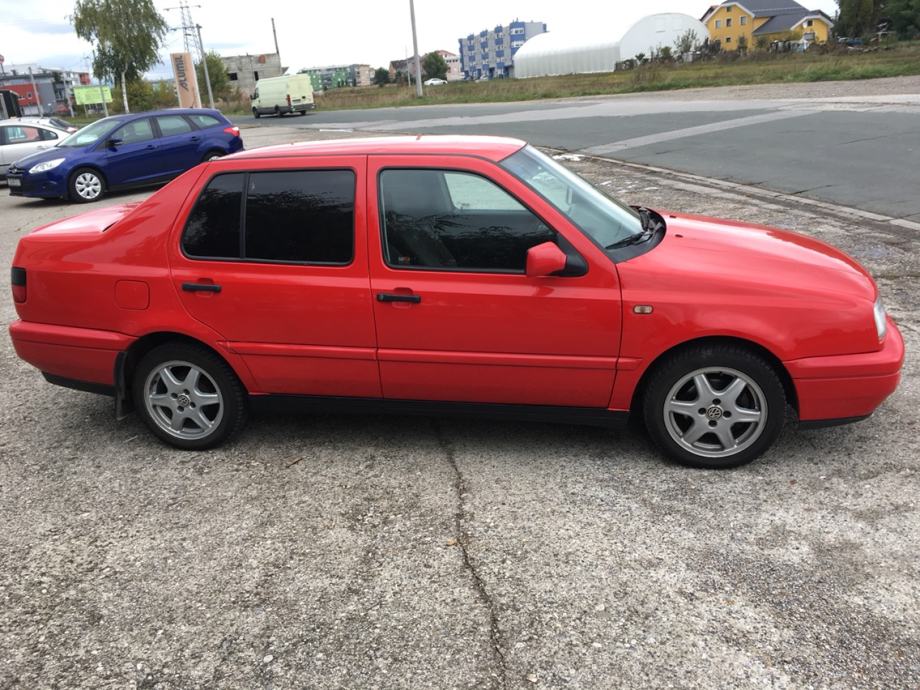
{"type": "Point", "coordinates": [285, 281]}
{"type": "Point", "coordinates": [457, 319]}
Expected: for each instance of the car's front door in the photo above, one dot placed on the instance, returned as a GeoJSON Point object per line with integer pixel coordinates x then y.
{"type": "Point", "coordinates": [457, 318]}
{"type": "Point", "coordinates": [274, 259]}
{"type": "Point", "coordinates": [129, 154]}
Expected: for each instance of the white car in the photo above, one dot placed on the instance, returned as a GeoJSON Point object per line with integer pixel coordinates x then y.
{"type": "Point", "coordinates": [55, 122]}
{"type": "Point", "coordinates": [434, 81]}
{"type": "Point", "coordinates": [19, 138]}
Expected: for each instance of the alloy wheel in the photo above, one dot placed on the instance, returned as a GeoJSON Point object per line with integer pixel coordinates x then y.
{"type": "Point", "coordinates": [715, 412]}
{"type": "Point", "coordinates": [183, 400]}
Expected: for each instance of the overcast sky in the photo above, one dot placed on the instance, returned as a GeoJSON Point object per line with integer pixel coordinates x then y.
{"type": "Point", "coordinates": [312, 33]}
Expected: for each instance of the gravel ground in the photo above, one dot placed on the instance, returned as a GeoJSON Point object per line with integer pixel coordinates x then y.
{"type": "Point", "coordinates": [372, 552]}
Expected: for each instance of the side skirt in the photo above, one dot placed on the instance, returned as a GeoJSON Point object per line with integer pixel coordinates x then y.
{"type": "Point", "coordinates": [587, 416]}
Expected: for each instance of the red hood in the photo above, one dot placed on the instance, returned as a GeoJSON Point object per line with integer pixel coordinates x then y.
{"type": "Point", "coordinates": [736, 256]}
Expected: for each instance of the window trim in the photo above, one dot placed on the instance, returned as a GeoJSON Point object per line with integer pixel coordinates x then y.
{"type": "Point", "coordinates": [572, 254]}
{"type": "Point", "coordinates": [241, 259]}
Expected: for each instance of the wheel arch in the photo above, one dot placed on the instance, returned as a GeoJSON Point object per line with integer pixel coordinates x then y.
{"type": "Point", "coordinates": [750, 345]}
{"type": "Point", "coordinates": [127, 362]}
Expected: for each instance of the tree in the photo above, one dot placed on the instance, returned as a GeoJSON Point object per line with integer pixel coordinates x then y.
{"type": "Point", "coordinates": [220, 80]}
{"type": "Point", "coordinates": [742, 44]}
{"type": "Point", "coordinates": [434, 66]}
{"type": "Point", "coordinates": [904, 16]}
{"type": "Point", "coordinates": [687, 42]}
{"type": "Point", "coordinates": [664, 54]}
{"type": "Point", "coordinates": [381, 76]}
{"type": "Point", "coordinates": [858, 17]}
{"type": "Point", "coordinates": [126, 35]}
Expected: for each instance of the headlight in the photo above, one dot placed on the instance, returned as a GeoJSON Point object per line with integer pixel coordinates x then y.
{"type": "Point", "coordinates": [881, 320]}
{"type": "Point", "coordinates": [46, 166]}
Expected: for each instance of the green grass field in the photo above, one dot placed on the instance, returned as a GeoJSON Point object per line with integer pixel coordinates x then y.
{"type": "Point", "coordinates": [901, 60]}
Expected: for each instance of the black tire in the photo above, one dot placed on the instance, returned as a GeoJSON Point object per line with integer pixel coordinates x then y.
{"type": "Point", "coordinates": [771, 397]}
{"type": "Point", "coordinates": [76, 177]}
{"type": "Point", "coordinates": [213, 153]}
{"type": "Point", "coordinates": [277, 111]}
{"type": "Point", "coordinates": [256, 114]}
{"type": "Point", "coordinates": [224, 380]}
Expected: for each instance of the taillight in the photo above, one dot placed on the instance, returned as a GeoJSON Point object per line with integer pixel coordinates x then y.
{"type": "Point", "coordinates": [235, 131]}
{"type": "Point", "coordinates": [18, 281]}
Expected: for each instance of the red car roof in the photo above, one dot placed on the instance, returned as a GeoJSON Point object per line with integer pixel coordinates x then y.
{"type": "Point", "coordinates": [493, 148]}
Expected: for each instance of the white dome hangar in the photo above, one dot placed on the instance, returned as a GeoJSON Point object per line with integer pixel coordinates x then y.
{"type": "Point", "coordinates": [554, 53]}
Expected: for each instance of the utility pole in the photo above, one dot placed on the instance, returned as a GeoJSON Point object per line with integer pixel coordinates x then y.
{"type": "Point", "coordinates": [275, 34]}
{"type": "Point", "coordinates": [36, 94]}
{"type": "Point", "coordinates": [204, 62]}
{"type": "Point", "coordinates": [418, 62]}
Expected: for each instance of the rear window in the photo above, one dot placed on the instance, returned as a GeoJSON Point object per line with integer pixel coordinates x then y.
{"type": "Point", "coordinates": [213, 228]}
{"type": "Point", "coordinates": [303, 216]}
{"type": "Point", "coordinates": [205, 121]}
{"type": "Point", "coordinates": [291, 216]}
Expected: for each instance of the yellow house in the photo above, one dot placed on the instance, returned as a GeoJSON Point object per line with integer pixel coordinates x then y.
{"type": "Point", "coordinates": [748, 22]}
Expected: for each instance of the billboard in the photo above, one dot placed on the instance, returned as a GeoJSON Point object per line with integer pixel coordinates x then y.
{"type": "Point", "coordinates": [186, 80]}
{"type": "Point", "coordinates": [91, 95]}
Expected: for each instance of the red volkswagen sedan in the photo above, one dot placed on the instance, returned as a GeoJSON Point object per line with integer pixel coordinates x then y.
{"type": "Point", "coordinates": [448, 274]}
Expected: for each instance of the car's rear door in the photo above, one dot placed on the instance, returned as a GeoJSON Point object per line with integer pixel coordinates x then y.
{"type": "Point", "coordinates": [18, 141]}
{"type": "Point", "coordinates": [131, 158]}
{"type": "Point", "coordinates": [457, 319]}
{"type": "Point", "coordinates": [177, 145]}
{"type": "Point", "coordinates": [272, 255]}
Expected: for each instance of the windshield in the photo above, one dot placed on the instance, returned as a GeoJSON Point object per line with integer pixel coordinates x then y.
{"type": "Point", "coordinates": [90, 134]}
{"type": "Point", "coordinates": [606, 220]}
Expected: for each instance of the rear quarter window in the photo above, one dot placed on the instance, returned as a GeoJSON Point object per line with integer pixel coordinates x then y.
{"type": "Point", "coordinates": [204, 121]}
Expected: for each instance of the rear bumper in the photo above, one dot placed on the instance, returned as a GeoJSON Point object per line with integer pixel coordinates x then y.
{"type": "Point", "coordinates": [65, 353]}
{"type": "Point", "coordinates": [847, 387]}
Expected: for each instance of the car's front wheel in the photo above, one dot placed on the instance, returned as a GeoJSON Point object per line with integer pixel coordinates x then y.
{"type": "Point", "coordinates": [256, 114]}
{"type": "Point", "coordinates": [714, 406]}
{"type": "Point", "coordinates": [188, 396]}
{"type": "Point", "coordinates": [86, 185]}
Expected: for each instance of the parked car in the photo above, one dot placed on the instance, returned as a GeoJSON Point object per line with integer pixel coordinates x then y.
{"type": "Point", "coordinates": [19, 138]}
{"type": "Point", "coordinates": [448, 275]}
{"type": "Point", "coordinates": [290, 93]}
{"type": "Point", "coordinates": [55, 122]}
{"type": "Point", "coordinates": [124, 151]}
{"type": "Point", "coordinates": [434, 81]}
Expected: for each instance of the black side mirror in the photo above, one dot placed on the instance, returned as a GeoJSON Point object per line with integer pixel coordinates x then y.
{"type": "Point", "coordinates": [113, 142]}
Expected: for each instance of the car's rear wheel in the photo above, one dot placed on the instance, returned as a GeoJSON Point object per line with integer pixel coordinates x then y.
{"type": "Point", "coordinates": [212, 155]}
{"type": "Point", "coordinates": [277, 111]}
{"type": "Point", "coordinates": [714, 406]}
{"type": "Point", "coordinates": [188, 396]}
{"type": "Point", "coordinates": [86, 185]}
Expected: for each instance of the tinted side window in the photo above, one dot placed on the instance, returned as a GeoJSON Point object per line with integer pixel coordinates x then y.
{"type": "Point", "coordinates": [455, 221]}
{"type": "Point", "coordinates": [204, 121]}
{"type": "Point", "coordinates": [170, 125]}
{"type": "Point", "coordinates": [22, 135]}
{"type": "Point", "coordinates": [135, 132]}
{"type": "Point", "coordinates": [213, 228]}
{"type": "Point", "coordinates": [48, 135]}
{"type": "Point", "coordinates": [301, 216]}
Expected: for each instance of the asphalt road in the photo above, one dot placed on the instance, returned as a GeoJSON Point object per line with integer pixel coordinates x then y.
{"type": "Point", "coordinates": [375, 552]}
{"type": "Point", "coordinates": [856, 148]}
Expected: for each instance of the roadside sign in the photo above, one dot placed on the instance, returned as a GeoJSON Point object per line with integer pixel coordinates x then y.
{"type": "Point", "coordinates": [91, 95]}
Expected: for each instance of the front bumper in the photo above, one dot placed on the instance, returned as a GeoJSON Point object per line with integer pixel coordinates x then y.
{"type": "Point", "coordinates": [47, 185]}
{"type": "Point", "coordinates": [847, 387]}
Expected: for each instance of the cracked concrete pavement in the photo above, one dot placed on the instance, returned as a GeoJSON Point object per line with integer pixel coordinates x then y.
{"type": "Point", "coordinates": [372, 552]}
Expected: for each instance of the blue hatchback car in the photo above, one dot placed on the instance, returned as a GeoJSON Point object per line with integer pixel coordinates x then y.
{"type": "Point", "coordinates": [124, 151]}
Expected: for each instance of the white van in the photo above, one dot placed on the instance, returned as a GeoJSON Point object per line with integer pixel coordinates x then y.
{"type": "Point", "coordinates": [291, 93]}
